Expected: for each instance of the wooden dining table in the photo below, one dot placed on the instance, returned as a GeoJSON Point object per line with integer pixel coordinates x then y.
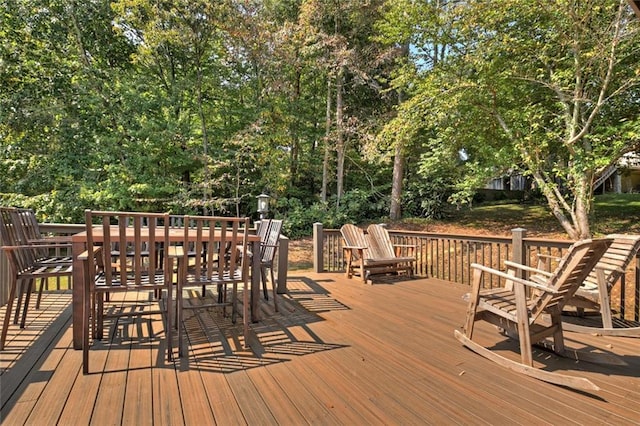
{"type": "Point", "coordinates": [79, 245]}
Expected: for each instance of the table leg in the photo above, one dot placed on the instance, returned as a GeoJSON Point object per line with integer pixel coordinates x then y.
{"type": "Point", "coordinates": [255, 282]}
{"type": "Point", "coordinates": [77, 248]}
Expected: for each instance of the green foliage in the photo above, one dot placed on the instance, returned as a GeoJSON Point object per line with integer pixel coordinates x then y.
{"type": "Point", "coordinates": [535, 87]}
{"type": "Point", "coordinates": [355, 207]}
{"type": "Point", "coordinates": [193, 106]}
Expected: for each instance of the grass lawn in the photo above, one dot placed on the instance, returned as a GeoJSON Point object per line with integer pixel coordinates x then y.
{"type": "Point", "coordinates": [613, 213]}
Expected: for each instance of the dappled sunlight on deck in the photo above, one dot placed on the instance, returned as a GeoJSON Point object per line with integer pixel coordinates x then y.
{"type": "Point", "coordinates": [337, 352]}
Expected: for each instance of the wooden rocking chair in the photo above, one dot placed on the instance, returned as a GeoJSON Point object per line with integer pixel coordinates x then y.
{"type": "Point", "coordinates": [594, 294]}
{"type": "Point", "coordinates": [520, 314]}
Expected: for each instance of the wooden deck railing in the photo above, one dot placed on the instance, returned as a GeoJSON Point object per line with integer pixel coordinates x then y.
{"type": "Point", "coordinates": [449, 257]}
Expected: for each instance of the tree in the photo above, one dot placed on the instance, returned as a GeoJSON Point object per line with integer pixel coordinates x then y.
{"type": "Point", "coordinates": [405, 27]}
{"type": "Point", "coordinates": [550, 88]}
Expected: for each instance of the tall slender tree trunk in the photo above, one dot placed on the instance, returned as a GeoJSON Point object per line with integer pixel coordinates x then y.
{"type": "Point", "coordinates": [340, 146]}
{"type": "Point", "coordinates": [395, 209]}
{"type": "Point", "coordinates": [327, 143]}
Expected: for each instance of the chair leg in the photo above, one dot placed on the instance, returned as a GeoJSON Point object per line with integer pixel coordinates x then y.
{"type": "Point", "coordinates": [274, 285]}
{"type": "Point", "coordinates": [25, 308]}
{"type": "Point", "coordinates": [179, 316]}
{"type": "Point", "coordinates": [99, 317]}
{"type": "Point", "coordinates": [43, 281]}
{"type": "Point", "coordinates": [234, 303]}
{"type": "Point", "coordinates": [87, 311]}
{"type": "Point", "coordinates": [263, 279]}
{"type": "Point", "coordinates": [7, 316]}
{"type": "Point", "coordinates": [21, 292]}
{"type": "Point", "coordinates": [245, 313]}
{"type": "Point", "coordinates": [169, 324]}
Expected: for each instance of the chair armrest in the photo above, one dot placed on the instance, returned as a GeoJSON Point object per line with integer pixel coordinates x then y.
{"type": "Point", "coordinates": [515, 265]}
{"type": "Point", "coordinates": [58, 240]}
{"type": "Point", "coordinates": [548, 256]}
{"type": "Point", "coordinates": [354, 247]}
{"type": "Point", "coordinates": [37, 246]}
{"type": "Point", "coordinates": [514, 278]}
{"type": "Point", "coordinates": [94, 251]}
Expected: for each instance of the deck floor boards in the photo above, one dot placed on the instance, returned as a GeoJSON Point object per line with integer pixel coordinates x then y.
{"type": "Point", "coordinates": [338, 352]}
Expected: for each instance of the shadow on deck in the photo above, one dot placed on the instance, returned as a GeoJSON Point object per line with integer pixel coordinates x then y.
{"type": "Point", "coordinates": [338, 352]}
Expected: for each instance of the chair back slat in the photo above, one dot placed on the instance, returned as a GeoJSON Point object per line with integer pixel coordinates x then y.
{"type": "Point", "coordinates": [380, 245]}
{"type": "Point", "coordinates": [353, 236]}
{"type": "Point", "coordinates": [131, 245]}
{"type": "Point", "coordinates": [616, 259]}
{"type": "Point", "coordinates": [269, 239]}
{"type": "Point", "coordinates": [581, 258]}
{"type": "Point", "coordinates": [220, 245]}
{"type": "Point", "coordinates": [9, 231]}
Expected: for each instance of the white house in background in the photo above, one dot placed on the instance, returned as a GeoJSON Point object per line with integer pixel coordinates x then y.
{"type": "Point", "coordinates": [623, 177]}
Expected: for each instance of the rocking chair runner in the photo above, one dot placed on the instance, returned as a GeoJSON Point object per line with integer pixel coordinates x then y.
{"type": "Point", "coordinates": [519, 315]}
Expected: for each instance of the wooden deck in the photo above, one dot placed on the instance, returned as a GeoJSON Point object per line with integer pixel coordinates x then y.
{"type": "Point", "coordinates": [339, 352]}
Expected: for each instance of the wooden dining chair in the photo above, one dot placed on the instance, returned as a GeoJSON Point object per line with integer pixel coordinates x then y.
{"type": "Point", "coordinates": [221, 259]}
{"type": "Point", "coordinates": [143, 234]}
{"type": "Point", "coordinates": [26, 265]}
{"type": "Point", "coordinates": [45, 255]}
{"type": "Point", "coordinates": [269, 232]}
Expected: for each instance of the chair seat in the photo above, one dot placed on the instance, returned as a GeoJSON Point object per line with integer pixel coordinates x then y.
{"type": "Point", "coordinates": [101, 283]}
{"type": "Point", "coordinates": [388, 261]}
{"type": "Point", "coordinates": [227, 276]}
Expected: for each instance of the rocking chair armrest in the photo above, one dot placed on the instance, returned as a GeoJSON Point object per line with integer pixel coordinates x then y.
{"type": "Point", "coordinates": [515, 265]}
{"type": "Point", "coordinates": [354, 248]}
{"type": "Point", "coordinates": [514, 278]}
{"type": "Point", "coordinates": [548, 256]}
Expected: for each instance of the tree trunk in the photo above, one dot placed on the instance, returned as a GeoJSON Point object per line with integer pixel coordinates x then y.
{"type": "Point", "coordinates": [340, 148]}
{"type": "Point", "coordinates": [395, 209]}
{"type": "Point", "coordinates": [327, 139]}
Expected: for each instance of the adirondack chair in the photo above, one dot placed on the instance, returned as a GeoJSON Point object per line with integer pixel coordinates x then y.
{"type": "Point", "coordinates": [594, 295]}
{"type": "Point", "coordinates": [369, 254]}
{"type": "Point", "coordinates": [519, 314]}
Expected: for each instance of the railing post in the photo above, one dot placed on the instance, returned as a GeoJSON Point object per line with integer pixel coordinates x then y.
{"type": "Point", "coordinates": [518, 256]}
{"type": "Point", "coordinates": [283, 264]}
{"type": "Point", "coordinates": [4, 277]}
{"type": "Point", "coordinates": [318, 263]}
